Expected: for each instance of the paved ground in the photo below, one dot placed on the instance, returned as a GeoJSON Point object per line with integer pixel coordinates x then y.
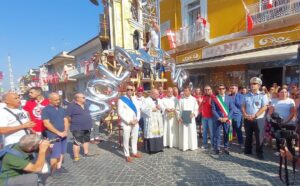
{"type": "Point", "coordinates": [171, 167]}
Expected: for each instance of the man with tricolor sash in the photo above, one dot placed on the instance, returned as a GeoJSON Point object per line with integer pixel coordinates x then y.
{"type": "Point", "coordinates": [129, 116]}
{"type": "Point", "coordinates": [222, 111]}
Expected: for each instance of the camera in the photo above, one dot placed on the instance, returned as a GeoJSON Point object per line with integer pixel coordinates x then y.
{"type": "Point", "coordinates": [280, 130]}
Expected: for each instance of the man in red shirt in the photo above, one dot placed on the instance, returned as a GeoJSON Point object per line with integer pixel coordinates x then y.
{"type": "Point", "coordinates": [207, 116]}
{"type": "Point", "coordinates": [34, 107]}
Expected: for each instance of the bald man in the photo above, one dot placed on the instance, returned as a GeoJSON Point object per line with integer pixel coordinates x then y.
{"type": "Point", "coordinates": [14, 122]}
{"type": "Point", "coordinates": [152, 109]}
{"type": "Point", "coordinates": [56, 123]}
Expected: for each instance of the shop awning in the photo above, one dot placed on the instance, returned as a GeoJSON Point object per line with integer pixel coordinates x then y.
{"type": "Point", "coordinates": [267, 55]}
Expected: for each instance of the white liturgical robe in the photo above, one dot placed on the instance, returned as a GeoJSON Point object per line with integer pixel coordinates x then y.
{"type": "Point", "coordinates": [171, 111]}
{"type": "Point", "coordinates": [187, 131]}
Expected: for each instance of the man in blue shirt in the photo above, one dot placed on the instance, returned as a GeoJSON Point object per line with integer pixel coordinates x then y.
{"type": "Point", "coordinates": [254, 107]}
{"type": "Point", "coordinates": [237, 117]}
{"type": "Point", "coordinates": [57, 124]}
{"type": "Point", "coordinates": [81, 124]}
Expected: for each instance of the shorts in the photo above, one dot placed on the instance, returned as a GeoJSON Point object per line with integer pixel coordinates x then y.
{"type": "Point", "coordinates": [59, 148]}
{"type": "Point", "coordinates": [81, 136]}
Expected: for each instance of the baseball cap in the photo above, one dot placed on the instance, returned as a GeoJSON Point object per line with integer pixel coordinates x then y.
{"type": "Point", "coordinates": [256, 80]}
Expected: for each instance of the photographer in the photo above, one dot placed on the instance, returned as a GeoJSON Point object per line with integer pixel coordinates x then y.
{"type": "Point", "coordinates": [285, 107]}
{"type": "Point", "coordinates": [17, 167]}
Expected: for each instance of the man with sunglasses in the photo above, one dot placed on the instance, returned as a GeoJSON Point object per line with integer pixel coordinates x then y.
{"type": "Point", "coordinates": [222, 111]}
{"type": "Point", "coordinates": [254, 106]}
{"type": "Point", "coordinates": [129, 115]}
{"type": "Point", "coordinates": [81, 124]}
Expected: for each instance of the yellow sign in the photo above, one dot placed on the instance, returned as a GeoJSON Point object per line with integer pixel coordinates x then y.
{"type": "Point", "coordinates": [191, 56]}
{"type": "Point", "coordinates": [276, 38]}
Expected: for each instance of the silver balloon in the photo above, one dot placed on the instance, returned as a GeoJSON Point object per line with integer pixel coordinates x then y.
{"type": "Point", "coordinates": [129, 60]}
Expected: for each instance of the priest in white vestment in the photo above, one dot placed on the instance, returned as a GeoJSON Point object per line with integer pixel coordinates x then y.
{"type": "Point", "coordinates": [188, 108]}
{"type": "Point", "coordinates": [153, 123]}
{"type": "Point", "coordinates": [170, 106]}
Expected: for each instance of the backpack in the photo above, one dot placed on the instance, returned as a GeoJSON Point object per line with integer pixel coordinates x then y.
{"type": "Point", "coordinates": [9, 149]}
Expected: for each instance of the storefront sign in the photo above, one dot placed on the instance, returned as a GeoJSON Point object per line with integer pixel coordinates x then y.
{"type": "Point", "coordinates": [228, 48]}
{"type": "Point", "coordinates": [192, 56]}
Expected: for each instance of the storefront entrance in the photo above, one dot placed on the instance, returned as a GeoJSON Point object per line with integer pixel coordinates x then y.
{"type": "Point", "coordinates": [272, 75]}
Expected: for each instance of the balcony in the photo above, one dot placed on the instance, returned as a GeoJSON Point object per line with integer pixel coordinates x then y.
{"type": "Point", "coordinates": [76, 73]}
{"type": "Point", "coordinates": [283, 13]}
{"type": "Point", "coordinates": [193, 36]}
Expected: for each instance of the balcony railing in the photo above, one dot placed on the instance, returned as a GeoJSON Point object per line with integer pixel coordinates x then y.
{"type": "Point", "coordinates": [192, 34]}
{"type": "Point", "coordinates": [261, 13]}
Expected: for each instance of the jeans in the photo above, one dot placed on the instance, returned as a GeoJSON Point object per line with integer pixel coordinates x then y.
{"type": "Point", "coordinates": [237, 126]}
{"type": "Point", "coordinates": [207, 123]}
{"type": "Point", "coordinates": [217, 135]}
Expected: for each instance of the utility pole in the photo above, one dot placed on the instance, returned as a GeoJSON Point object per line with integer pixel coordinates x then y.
{"type": "Point", "coordinates": [11, 76]}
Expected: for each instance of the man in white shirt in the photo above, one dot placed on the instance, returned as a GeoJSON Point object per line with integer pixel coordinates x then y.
{"type": "Point", "coordinates": [14, 122]}
{"type": "Point", "coordinates": [129, 116]}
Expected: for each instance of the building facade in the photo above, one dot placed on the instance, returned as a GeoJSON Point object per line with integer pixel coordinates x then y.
{"type": "Point", "coordinates": [225, 42]}
{"type": "Point", "coordinates": [58, 75]}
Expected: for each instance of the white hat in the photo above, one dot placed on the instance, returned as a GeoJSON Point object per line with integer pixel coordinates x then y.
{"type": "Point", "coordinates": [256, 80]}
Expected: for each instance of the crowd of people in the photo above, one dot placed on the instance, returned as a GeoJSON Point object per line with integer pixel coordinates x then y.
{"type": "Point", "coordinates": [168, 119]}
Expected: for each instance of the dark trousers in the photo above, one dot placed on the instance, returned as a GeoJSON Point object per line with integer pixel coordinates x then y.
{"type": "Point", "coordinates": [237, 127]}
{"type": "Point", "coordinates": [257, 127]}
{"type": "Point", "coordinates": [217, 135]}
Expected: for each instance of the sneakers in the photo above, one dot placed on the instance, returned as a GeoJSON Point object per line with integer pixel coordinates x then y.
{"type": "Point", "coordinates": [204, 147]}
{"type": "Point", "coordinates": [88, 155]}
{"type": "Point", "coordinates": [76, 159]}
{"type": "Point", "coordinates": [62, 170]}
{"type": "Point", "coordinates": [226, 151]}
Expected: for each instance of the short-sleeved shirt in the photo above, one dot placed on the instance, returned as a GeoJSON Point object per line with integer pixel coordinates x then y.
{"type": "Point", "coordinates": [255, 101]}
{"type": "Point", "coordinates": [80, 117]}
{"type": "Point", "coordinates": [283, 107]}
{"type": "Point", "coordinates": [35, 111]}
{"type": "Point", "coordinates": [13, 165]}
{"type": "Point", "coordinates": [9, 120]}
{"type": "Point", "coordinates": [56, 117]}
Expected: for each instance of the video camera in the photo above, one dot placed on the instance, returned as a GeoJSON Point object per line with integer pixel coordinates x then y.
{"type": "Point", "coordinates": [282, 131]}
{"type": "Point", "coordinates": [287, 136]}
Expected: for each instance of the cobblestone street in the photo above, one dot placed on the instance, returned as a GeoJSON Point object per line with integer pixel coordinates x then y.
{"type": "Point", "coordinates": [171, 167]}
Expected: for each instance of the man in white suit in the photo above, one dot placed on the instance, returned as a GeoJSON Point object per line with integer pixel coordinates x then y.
{"type": "Point", "coordinates": [129, 115]}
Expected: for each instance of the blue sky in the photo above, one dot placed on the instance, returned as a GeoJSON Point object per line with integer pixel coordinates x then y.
{"type": "Point", "coordinates": [33, 31]}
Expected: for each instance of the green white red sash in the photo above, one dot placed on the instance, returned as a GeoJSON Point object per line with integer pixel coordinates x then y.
{"type": "Point", "coordinates": [223, 107]}
{"type": "Point", "coordinates": [225, 111]}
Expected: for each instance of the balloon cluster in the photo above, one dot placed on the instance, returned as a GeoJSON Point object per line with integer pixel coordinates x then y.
{"type": "Point", "coordinates": [129, 61]}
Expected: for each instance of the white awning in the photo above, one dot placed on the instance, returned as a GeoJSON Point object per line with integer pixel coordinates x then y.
{"type": "Point", "coordinates": [274, 54]}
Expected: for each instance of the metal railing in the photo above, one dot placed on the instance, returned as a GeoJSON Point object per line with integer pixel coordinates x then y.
{"type": "Point", "coordinates": [261, 13]}
{"type": "Point", "coordinates": [191, 34]}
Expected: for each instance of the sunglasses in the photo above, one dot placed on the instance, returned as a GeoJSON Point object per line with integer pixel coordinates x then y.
{"type": "Point", "coordinates": [221, 88]}
{"type": "Point", "coordinates": [207, 89]}
{"type": "Point", "coordinates": [129, 89]}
